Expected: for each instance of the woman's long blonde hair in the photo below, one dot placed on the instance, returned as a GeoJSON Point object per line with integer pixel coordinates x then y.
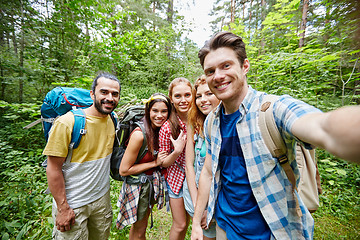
{"type": "Point", "coordinates": [195, 117]}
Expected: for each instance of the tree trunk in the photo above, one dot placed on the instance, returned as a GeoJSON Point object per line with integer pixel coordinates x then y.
{"type": "Point", "coordinates": [357, 91]}
{"type": "Point", "coordinates": [303, 23]}
{"type": "Point", "coordinates": [243, 10]}
{"type": "Point", "coordinates": [2, 39]}
{"type": "Point", "coordinates": [250, 19]}
{"type": "Point", "coordinates": [7, 38]}
{"type": "Point", "coordinates": [13, 37]}
{"type": "Point", "coordinates": [232, 10]}
{"type": "Point", "coordinates": [21, 63]}
{"type": "Point", "coordinates": [170, 11]}
{"type": "Point", "coordinates": [3, 85]}
{"type": "Point", "coordinates": [154, 8]}
{"type": "Point", "coordinates": [327, 22]}
{"type": "Point", "coordinates": [250, 12]}
{"type": "Point", "coordinates": [262, 41]}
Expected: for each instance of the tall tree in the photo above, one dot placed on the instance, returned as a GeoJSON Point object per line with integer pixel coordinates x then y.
{"type": "Point", "coordinates": [21, 56]}
{"type": "Point", "coordinates": [263, 15]}
{"type": "Point", "coordinates": [170, 11]}
{"type": "Point", "coordinates": [303, 22]}
{"type": "Point", "coordinates": [232, 10]}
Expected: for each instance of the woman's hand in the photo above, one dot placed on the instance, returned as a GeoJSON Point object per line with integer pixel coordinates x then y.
{"type": "Point", "coordinates": [179, 143]}
{"type": "Point", "coordinates": [203, 220]}
{"type": "Point", "coordinates": [160, 158]}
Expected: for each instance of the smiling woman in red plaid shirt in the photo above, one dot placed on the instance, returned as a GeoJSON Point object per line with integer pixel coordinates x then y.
{"type": "Point", "coordinates": [175, 128]}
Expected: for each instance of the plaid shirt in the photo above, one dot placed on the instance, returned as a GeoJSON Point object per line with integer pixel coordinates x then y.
{"type": "Point", "coordinates": [175, 176]}
{"type": "Point", "coordinates": [129, 199]}
{"type": "Point", "coordinates": [270, 186]}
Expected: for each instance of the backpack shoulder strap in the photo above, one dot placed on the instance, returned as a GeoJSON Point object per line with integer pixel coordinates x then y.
{"type": "Point", "coordinates": [77, 132]}
{"type": "Point", "coordinates": [274, 141]}
{"type": "Point", "coordinates": [269, 130]}
{"type": "Point", "coordinates": [79, 127]}
{"type": "Point", "coordinates": [143, 149]}
{"type": "Point", "coordinates": [114, 119]}
{"type": "Point", "coordinates": [272, 137]}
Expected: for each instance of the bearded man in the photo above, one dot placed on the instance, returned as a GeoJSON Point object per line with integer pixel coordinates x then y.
{"type": "Point", "coordinates": [81, 187]}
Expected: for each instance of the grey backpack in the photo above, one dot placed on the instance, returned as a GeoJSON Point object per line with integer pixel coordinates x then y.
{"type": "Point", "coordinates": [132, 119]}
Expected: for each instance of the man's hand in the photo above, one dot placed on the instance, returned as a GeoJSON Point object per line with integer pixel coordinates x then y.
{"type": "Point", "coordinates": [65, 219]}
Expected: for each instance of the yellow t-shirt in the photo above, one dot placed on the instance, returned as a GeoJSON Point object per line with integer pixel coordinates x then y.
{"type": "Point", "coordinates": [87, 174]}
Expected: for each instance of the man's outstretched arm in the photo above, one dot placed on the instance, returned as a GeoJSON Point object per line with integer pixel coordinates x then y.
{"type": "Point", "coordinates": [336, 131]}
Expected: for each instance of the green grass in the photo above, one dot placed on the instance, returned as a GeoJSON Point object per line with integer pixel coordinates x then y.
{"type": "Point", "coordinates": [330, 223]}
{"type": "Point", "coordinates": [26, 211]}
{"type": "Point", "coordinates": [328, 227]}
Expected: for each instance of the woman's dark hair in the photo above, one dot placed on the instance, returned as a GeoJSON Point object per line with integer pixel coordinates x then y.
{"type": "Point", "coordinates": [152, 135]}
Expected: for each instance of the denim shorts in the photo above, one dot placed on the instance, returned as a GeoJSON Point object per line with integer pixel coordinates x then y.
{"type": "Point", "coordinates": [189, 207]}
{"type": "Point", "coordinates": [172, 194]}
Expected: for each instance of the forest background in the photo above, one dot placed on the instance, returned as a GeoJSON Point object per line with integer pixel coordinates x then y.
{"type": "Point", "coordinates": [308, 49]}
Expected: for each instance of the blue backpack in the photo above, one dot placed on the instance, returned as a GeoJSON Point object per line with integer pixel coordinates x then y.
{"type": "Point", "coordinates": [59, 101]}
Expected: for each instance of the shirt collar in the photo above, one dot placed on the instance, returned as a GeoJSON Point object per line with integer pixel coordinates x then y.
{"type": "Point", "coordinates": [245, 104]}
{"type": "Point", "coordinates": [183, 126]}
{"type": "Point", "coordinates": [248, 101]}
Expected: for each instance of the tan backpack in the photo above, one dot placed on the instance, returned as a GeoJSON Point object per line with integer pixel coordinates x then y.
{"type": "Point", "coordinates": [309, 186]}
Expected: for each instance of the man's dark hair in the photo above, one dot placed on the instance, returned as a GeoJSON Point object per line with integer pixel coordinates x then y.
{"type": "Point", "coordinates": [104, 75]}
{"type": "Point", "coordinates": [224, 39]}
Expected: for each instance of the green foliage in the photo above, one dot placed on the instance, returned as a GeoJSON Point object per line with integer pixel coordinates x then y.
{"type": "Point", "coordinates": [339, 211]}
{"type": "Point", "coordinates": [64, 43]}
{"type": "Point", "coordinates": [24, 206]}
{"type": "Point", "coordinates": [340, 179]}
{"type": "Point", "coordinates": [68, 42]}
{"type": "Point", "coordinates": [311, 76]}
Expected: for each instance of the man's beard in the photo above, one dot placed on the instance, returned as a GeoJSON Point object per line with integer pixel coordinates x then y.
{"type": "Point", "coordinates": [98, 106]}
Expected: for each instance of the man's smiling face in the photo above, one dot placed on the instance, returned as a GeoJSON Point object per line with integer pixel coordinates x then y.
{"type": "Point", "coordinates": [225, 75]}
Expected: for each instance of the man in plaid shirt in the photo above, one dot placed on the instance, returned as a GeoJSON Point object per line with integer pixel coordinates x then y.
{"type": "Point", "coordinates": [244, 186]}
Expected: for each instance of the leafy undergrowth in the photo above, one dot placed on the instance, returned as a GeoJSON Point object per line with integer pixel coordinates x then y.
{"type": "Point", "coordinates": [329, 227]}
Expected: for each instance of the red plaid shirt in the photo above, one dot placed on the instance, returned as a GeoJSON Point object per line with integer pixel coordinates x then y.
{"type": "Point", "coordinates": [175, 177]}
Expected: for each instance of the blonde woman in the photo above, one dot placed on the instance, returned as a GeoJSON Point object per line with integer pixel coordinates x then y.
{"type": "Point", "coordinates": [175, 128]}
{"type": "Point", "coordinates": [203, 103]}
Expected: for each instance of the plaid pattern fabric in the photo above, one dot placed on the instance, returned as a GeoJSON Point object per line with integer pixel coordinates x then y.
{"type": "Point", "coordinates": [270, 186]}
{"type": "Point", "coordinates": [129, 199]}
{"type": "Point", "coordinates": [158, 190]}
{"type": "Point", "coordinates": [175, 177]}
{"type": "Point", "coordinates": [128, 202]}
